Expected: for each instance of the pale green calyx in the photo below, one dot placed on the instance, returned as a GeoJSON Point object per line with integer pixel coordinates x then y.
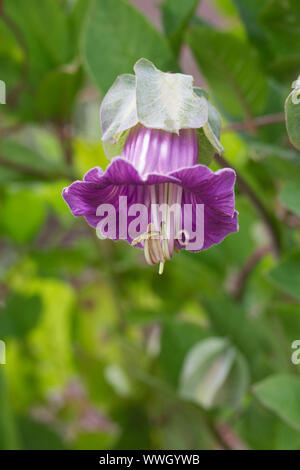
{"type": "Point", "coordinates": [153, 98]}
{"type": "Point", "coordinates": [167, 101]}
{"type": "Point", "coordinates": [118, 109]}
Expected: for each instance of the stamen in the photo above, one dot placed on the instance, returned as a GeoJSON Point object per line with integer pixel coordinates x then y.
{"type": "Point", "coordinates": [152, 246]}
{"type": "Point", "coordinates": [158, 249]}
{"type": "Point", "coordinates": [161, 268]}
{"type": "Point", "coordinates": [147, 253]}
{"type": "Point", "coordinates": [159, 245]}
{"type": "Point", "coordinates": [145, 236]}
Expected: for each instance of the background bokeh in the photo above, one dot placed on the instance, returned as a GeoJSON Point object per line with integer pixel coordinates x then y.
{"type": "Point", "coordinates": [98, 346]}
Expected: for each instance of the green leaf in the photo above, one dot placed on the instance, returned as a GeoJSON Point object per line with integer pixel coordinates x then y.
{"type": "Point", "coordinates": [209, 134]}
{"type": "Point", "coordinates": [36, 436]}
{"type": "Point", "coordinates": [20, 314]}
{"type": "Point", "coordinates": [134, 416]}
{"type": "Point", "coordinates": [11, 56]}
{"type": "Point", "coordinates": [206, 150]}
{"type": "Point", "coordinates": [280, 394]}
{"type": "Point", "coordinates": [9, 438]}
{"type": "Point", "coordinates": [261, 150]}
{"type": "Point", "coordinates": [290, 196]}
{"type": "Point", "coordinates": [212, 129]}
{"type": "Point", "coordinates": [115, 37]}
{"type": "Point", "coordinates": [288, 315]}
{"type": "Point", "coordinates": [50, 341]}
{"type": "Point", "coordinates": [176, 15]}
{"type": "Point", "coordinates": [22, 214]}
{"type": "Point", "coordinates": [177, 339]}
{"type": "Point", "coordinates": [167, 101]}
{"type": "Point", "coordinates": [57, 92]}
{"type": "Point", "coordinates": [46, 49]}
{"type": "Point", "coordinates": [211, 367]}
{"type": "Point", "coordinates": [281, 24]}
{"type": "Point", "coordinates": [77, 19]}
{"type": "Point", "coordinates": [292, 114]}
{"type": "Point", "coordinates": [232, 70]}
{"type": "Point", "coordinates": [238, 328]}
{"type": "Point", "coordinates": [262, 429]}
{"type": "Point", "coordinates": [250, 13]}
{"type": "Point", "coordinates": [24, 163]}
{"type": "Point", "coordinates": [118, 109]}
{"type": "Point", "coordinates": [287, 274]}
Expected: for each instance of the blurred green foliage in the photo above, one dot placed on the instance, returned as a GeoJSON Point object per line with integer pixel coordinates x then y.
{"type": "Point", "coordinates": [101, 352]}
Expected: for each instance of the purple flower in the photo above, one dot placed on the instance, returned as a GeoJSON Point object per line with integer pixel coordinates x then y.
{"type": "Point", "coordinates": [155, 194]}
{"type": "Point", "coordinates": [158, 167]}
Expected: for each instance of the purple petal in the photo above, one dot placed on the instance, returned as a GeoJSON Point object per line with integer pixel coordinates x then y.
{"type": "Point", "coordinates": [200, 186]}
{"type": "Point", "coordinates": [214, 189]}
{"type": "Point", "coordinates": [120, 179]}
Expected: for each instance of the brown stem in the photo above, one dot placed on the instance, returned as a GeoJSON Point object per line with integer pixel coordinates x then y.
{"type": "Point", "coordinates": [244, 274]}
{"type": "Point", "coordinates": [269, 220]}
{"type": "Point", "coordinates": [256, 122]}
{"type": "Point", "coordinates": [288, 218]}
{"type": "Point", "coordinates": [229, 438]}
{"type": "Point", "coordinates": [64, 135]}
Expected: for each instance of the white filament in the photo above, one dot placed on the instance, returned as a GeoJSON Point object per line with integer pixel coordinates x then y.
{"type": "Point", "coordinates": [160, 237]}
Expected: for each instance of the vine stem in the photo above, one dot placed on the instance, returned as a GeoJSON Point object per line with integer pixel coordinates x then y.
{"type": "Point", "coordinates": [64, 134]}
{"type": "Point", "coordinates": [229, 437]}
{"type": "Point", "coordinates": [266, 216]}
{"type": "Point", "coordinates": [245, 272]}
{"type": "Point", "coordinates": [260, 121]}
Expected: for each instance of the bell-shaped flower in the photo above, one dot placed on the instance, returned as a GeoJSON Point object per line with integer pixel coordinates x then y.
{"type": "Point", "coordinates": [155, 194]}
